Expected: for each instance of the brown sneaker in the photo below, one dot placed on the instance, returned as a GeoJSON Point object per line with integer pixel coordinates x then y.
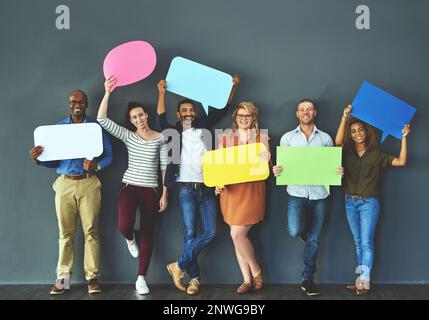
{"type": "Point", "coordinates": [361, 292]}
{"type": "Point", "coordinates": [177, 275]}
{"type": "Point", "coordinates": [244, 288]}
{"type": "Point", "coordinates": [258, 282]}
{"type": "Point", "coordinates": [362, 287]}
{"type": "Point", "coordinates": [194, 287]}
{"type": "Point", "coordinates": [55, 290]}
{"type": "Point", "coordinates": [351, 286]}
{"type": "Point", "coordinates": [94, 286]}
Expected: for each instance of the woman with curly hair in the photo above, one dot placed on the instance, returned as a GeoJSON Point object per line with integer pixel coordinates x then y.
{"type": "Point", "coordinates": [243, 204]}
{"type": "Point", "coordinates": [363, 161]}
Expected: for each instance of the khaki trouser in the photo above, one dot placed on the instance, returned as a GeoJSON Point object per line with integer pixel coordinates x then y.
{"type": "Point", "coordinates": [73, 198]}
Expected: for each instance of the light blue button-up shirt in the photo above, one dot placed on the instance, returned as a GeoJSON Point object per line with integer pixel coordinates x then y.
{"type": "Point", "coordinates": [297, 138]}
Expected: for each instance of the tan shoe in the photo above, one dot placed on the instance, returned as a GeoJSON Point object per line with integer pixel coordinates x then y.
{"type": "Point", "coordinates": [258, 282]}
{"type": "Point", "coordinates": [351, 286]}
{"type": "Point", "coordinates": [176, 274]}
{"type": "Point", "coordinates": [57, 290]}
{"type": "Point", "coordinates": [363, 287]}
{"type": "Point", "coordinates": [194, 287]}
{"type": "Point", "coordinates": [244, 288]}
{"type": "Point", "coordinates": [94, 286]}
{"type": "Point", "coordinates": [361, 292]}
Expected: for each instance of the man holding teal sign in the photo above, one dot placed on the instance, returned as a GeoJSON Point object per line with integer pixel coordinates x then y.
{"type": "Point", "coordinates": [306, 203]}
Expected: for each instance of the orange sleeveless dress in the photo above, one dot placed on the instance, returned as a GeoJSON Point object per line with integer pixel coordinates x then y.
{"type": "Point", "coordinates": [243, 203]}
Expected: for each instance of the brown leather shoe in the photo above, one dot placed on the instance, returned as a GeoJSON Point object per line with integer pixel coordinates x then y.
{"type": "Point", "coordinates": [351, 286]}
{"type": "Point", "coordinates": [193, 287]}
{"type": "Point", "coordinates": [258, 282]}
{"type": "Point", "coordinates": [56, 290]}
{"type": "Point", "coordinates": [363, 287]}
{"type": "Point", "coordinates": [176, 274]}
{"type": "Point", "coordinates": [244, 288]}
{"type": "Point", "coordinates": [94, 286]}
{"type": "Point", "coordinates": [361, 292]}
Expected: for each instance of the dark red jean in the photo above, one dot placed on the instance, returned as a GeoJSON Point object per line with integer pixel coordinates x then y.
{"type": "Point", "coordinates": [147, 199]}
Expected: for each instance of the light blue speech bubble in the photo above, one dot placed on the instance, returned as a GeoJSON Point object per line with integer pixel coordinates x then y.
{"type": "Point", "coordinates": [195, 81]}
{"type": "Point", "coordinates": [382, 110]}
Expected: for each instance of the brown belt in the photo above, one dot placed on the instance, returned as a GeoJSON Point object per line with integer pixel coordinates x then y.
{"type": "Point", "coordinates": [354, 198]}
{"type": "Point", "coordinates": [76, 176]}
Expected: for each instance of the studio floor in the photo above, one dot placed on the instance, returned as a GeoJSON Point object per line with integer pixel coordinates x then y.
{"type": "Point", "coordinates": [216, 292]}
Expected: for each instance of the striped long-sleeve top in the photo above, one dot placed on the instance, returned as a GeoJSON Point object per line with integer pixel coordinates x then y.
{"type": "Point", "coordinates": [144, 156]}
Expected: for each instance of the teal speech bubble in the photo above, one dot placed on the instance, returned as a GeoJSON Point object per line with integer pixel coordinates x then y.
{"type": "Point", "coordinates": [198, 82]}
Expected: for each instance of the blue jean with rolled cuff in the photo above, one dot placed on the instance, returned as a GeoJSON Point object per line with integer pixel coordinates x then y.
{"type": "Point", "coordinates": [305, 220]}
{"type": "Point", "coordinates": [362, 214]}
{"type": "Point", "coordinates": [194, 201]}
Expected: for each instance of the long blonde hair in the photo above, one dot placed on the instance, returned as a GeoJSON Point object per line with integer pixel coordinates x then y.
{"type": "Point", "coordinates": [252, 109]}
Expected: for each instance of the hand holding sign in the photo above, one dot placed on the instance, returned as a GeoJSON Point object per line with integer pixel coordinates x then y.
{"type": "Point", "coordinates": [130, 62]}
{"type": "Point", "coordinates": [243, 163]}
{"type": "Point", "coordinates": [382, 110]}
{"type": "Point", "coordinates": [200, 83]}
{"type": "Point", "coordinates": [68, 141]}
{"type": "Point", "coordinates": [308, 166]}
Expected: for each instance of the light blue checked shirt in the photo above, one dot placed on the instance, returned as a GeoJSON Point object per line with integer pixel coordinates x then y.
{"type": "Point", "coordinates": [296, 138]}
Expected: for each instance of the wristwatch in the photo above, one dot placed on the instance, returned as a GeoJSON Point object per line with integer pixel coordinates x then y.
{"type": "Point", "coordinates": [98, 167]}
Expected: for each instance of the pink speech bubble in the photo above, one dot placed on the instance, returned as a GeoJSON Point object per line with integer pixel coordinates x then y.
{"type": "Point", "coordinates": [130, 62]}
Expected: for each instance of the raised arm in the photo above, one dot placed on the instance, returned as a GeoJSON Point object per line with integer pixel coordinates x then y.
{"type": "Point", "coordinates": [108, 84]}
{"type": "Point", "coordinates": [236, 82]}
{"type": "Point", "coordinates": [402, 159]}
{"type": "Point", "coordinates": [340, 133]}
{"type": "Point", "coordinates": [160, 108]}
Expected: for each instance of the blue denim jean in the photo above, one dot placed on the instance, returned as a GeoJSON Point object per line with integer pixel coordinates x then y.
{"type": "Point", "coordinates": [193, 201]}
{"type": "Point", "coordinates": [362, 215]}
{"type": "Point", "coordinates": [305, 220]}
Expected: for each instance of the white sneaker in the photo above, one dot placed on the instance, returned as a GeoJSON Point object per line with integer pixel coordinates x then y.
{"type": "Point", "coordinates": [133, 248]}
{"type": "Point", "coordinates": [141, 285]}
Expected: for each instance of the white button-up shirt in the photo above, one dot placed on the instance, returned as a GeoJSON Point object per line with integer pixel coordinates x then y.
{"type": "Point", "coordinates": [297, 138]}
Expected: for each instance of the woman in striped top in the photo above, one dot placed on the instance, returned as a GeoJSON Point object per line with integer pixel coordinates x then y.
{"type": "Point", "coordinates": [146, 151]}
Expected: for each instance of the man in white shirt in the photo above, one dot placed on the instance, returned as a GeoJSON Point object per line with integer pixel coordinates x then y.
{"type": "Point", "coordinates": [194, 197]}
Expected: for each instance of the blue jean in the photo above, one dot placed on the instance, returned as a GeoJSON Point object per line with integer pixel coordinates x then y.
{"type": "Point", "coordinates": [194, 201]}
{"type": "Point", "coordinates": [362, 215]}
{"type": "Point", "coordinates": [305, 220]}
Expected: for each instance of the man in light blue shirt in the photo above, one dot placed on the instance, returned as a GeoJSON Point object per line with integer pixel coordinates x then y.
{"type": "Point", "coordinates": [306, 204]}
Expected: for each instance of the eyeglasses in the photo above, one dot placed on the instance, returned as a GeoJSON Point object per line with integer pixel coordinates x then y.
{"type": "Point", "coordinates": [77, 102]}
{"type": "Point", "coordinates": [244, 116]}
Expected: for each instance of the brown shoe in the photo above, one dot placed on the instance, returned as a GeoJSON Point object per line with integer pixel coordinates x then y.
{"type": "Point", "coordinates": [94, 286]}
{"type": "Point", "coordinates": [351, 286]}
{"type": "Point", "coordinates": [177, 274]}
{"type": "Point", "coordinates": [57, 290]}
{"type": "Point", "coordinates": [258, 282]}
{"type": "Point", "coordinates": [361, 292]}
{"type": "Point", "coordinates": [244, 288]}
{"type": "Point", "coordinates": [194, 287]}
{"type": "Point", "coordinates": [363, 287]}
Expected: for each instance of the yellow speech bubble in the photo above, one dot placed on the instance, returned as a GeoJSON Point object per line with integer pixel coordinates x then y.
{"type": "Point", "coordinates": [243, 163]}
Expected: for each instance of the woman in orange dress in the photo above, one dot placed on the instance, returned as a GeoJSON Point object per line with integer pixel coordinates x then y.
{"type": "Point", "coordinates": [243, 204]}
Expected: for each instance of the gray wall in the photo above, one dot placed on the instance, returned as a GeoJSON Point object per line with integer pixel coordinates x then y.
{"type": "Point", "coordinates": [283, 51]}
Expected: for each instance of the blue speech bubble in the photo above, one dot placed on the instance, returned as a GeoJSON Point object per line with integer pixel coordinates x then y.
{"type": "Point", "coordinates": [382, 110]}
{"type": "Point", "coordinates": [195, 81]}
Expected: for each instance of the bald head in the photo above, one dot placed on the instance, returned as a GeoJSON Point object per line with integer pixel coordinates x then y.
{"type": "Point", "coordinates": [78, 102]}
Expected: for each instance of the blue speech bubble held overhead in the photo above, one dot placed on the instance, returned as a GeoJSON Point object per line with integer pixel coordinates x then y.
{"type": "Point", "coordinates": [195, 81]}
{"type": "Point", "coordinates": [382, 110]}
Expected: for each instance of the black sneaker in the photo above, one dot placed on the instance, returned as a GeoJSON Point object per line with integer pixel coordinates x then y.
{"type": "Point", "coordinates": [310, 288]}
